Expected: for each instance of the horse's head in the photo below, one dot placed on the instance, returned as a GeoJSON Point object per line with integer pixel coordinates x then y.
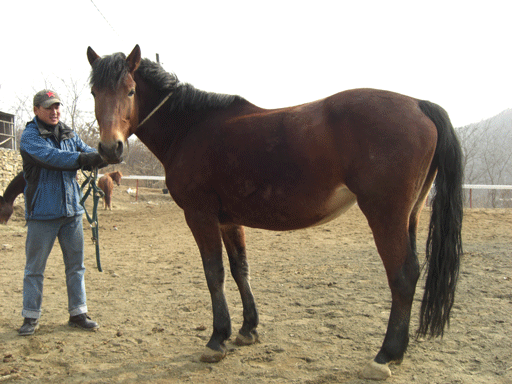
{"type": "Point", "coordinates": [6, 210]}
{"type": "Point", "coordinates": [113, 88]}
{"type": "Point", "coordinates": [116, 176]}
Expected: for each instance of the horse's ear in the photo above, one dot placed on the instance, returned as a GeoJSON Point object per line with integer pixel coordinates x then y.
{"type": "Point", "coordinates": [92, 56]}
{"type": "Point", "coordinates": [133, 59]}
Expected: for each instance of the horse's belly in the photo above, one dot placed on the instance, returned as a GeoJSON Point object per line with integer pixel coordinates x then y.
{"type": "Point", "coordinates": [337, 204]}
{"type": "Point", "coordinates": [273, 209]}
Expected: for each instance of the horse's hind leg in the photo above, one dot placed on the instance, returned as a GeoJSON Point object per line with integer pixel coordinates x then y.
{"type": "Point", "coordinates": [396, 247]}
{"type": "Point", "coordinates": [234, 241]}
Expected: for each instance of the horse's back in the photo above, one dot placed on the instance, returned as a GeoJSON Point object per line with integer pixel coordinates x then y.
{"type": "Point", "coordinates": [106, 184]}
{"type": "Point", "coordinates": [102, 182]}
{"type": "Point", "coordinates": [364, 112]}
{"type": "Point", "coordinates": [385, 138]}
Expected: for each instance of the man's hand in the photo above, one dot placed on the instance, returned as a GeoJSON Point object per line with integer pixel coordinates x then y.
{"type": "Point", "coordinates": [90, 160]}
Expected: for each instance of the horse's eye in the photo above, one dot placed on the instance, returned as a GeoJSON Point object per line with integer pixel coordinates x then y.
{"type": "Point", "coordinates": [131, 93]}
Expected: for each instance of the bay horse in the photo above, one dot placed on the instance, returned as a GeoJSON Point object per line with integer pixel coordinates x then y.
{"type": "Point", "coordinates": [15, 187]}
{"type": "Point", "coordinates": [231, 164]}
{"type": "Point", "coordinates": [106, 183]}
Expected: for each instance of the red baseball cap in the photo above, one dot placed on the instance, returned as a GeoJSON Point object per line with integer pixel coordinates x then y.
{"type": "Point", "coordinates": [46, 98]}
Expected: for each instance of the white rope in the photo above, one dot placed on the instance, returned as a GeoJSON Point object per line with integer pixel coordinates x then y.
{"type": "Point", "coordinates": [156, 109]}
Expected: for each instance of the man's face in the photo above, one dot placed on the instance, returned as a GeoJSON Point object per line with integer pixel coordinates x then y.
{"type": "Point", "coordinates": [49, 115]}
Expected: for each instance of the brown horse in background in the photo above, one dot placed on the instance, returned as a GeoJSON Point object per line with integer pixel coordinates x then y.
{"type": "Point", "coordinates": [231, 164]}
{"type": "Point", "coordinates": [106, 183]}
{"type": "Point", "coordinates": [15, 187]}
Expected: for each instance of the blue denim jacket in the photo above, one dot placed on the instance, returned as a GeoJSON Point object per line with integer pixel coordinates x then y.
{"type": "Point", "coordinates": [49, 167]}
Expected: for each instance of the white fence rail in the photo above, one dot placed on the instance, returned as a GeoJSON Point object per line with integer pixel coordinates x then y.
{"type": "Point", "coordinates": [469, 187]}
{"type": "Point", "coordinates": [137, 178]}
{"type": "Point", "coordinates": [465, 186]}
{"type": "Point", "coordinates": [477, 186]}
{"type": "Point", "coordinates": [143, 177]}
{"type": "Point", "coordinates": [472, 187]}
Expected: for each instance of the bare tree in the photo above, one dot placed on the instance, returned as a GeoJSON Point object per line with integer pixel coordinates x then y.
{"type": "Point", "coordinates": [487, 148]}
{"type": "Point", "coordinates": [71, 93]}
{"type": "Point", "coordinates": [496, 159]}
{"type": "Point", "coordinates": [470, 136]}
{"type": "Point", "coordinates": [23, 112]}
{"type": "Point", "coordinates": [140, 160]}
{"type": "Point", "coordinates": [81, 121]}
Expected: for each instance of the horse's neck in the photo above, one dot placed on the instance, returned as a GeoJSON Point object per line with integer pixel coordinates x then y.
{"type": "Point", "coordinates": [164, 133]}
{"type": "Point", "coordinates": [15, 187]}
{"type": "Point", "coordinates": [149, 135]}
{"type": "Point", "coordinates": [150, 132]}
{"type": "Point", "coordinates": [161, 132]}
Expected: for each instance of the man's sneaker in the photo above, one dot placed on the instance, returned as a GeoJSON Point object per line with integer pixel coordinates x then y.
{"type": "Point", "coordinates": [29, 327]}
{"type": "Point", "coordinates": [84, 322]}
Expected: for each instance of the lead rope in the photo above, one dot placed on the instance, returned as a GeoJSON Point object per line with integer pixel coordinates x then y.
{"type": "Point", "coordinates": [97, 193]}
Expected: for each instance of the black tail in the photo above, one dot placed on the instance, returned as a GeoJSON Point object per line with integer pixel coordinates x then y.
{"type": "Point", "coordinates": [444, 244]}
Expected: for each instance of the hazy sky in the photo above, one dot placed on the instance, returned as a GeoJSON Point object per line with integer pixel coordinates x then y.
{"type": "Point", "coordinates": [274, 53]}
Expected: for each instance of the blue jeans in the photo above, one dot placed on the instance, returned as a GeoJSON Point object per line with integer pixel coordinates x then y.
{"type": "Point", "coordinates": [41, 235]}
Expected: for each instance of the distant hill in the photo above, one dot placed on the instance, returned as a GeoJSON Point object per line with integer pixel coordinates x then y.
{"type": "Point", "coordinates": [501, 120]}
{"type": "Point", "coordinates": [487, 147]}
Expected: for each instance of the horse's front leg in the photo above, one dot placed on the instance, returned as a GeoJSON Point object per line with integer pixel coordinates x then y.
{"type": "Point", "coordinates": [234, 241]}
{"type": "Point", "coordinates": [206, 231]}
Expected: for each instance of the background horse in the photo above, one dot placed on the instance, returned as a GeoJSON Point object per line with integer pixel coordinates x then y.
{"type": "Point", "coordinates": [106, 183]}
{"type": "Point", "coordinates": [15, 187]}
{"type": "Point", "coordinates": [231, 164]}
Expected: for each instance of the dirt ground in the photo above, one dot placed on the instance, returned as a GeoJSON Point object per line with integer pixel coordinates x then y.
{"type": "Point", "coordinates": [322, 295]}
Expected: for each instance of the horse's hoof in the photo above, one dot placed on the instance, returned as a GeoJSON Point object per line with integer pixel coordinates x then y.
{"type": "Point", "coordinates": [212, 356]}
{"type": "Point", "coordinates": [247, 340]}
{"type": "Point", "coordinates": [375, 371]}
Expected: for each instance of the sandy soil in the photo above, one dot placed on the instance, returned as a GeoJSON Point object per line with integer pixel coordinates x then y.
{"type": "Point", "coordinates": [322, 295]}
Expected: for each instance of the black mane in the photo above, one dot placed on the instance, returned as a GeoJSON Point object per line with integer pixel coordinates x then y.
{"type": "Point", "coordinates": [109, 71]}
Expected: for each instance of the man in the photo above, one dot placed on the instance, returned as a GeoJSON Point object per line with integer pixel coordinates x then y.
{"type": "Point", "coordinates": [52, 153]}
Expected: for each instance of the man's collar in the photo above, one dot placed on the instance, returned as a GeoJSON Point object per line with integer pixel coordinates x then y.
{"type": "Point", "coordinates": [60, 129]}
{"type": "Point", "coordinates": [44, 129]}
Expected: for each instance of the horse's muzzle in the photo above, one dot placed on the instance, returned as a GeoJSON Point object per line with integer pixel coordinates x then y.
{"type": "Point", "coordinates": [112, 154]}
